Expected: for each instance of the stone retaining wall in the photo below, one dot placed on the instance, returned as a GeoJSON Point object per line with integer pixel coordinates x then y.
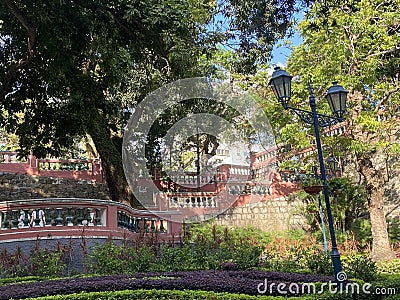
{"type": "Point", "coordinates": [22, 186]}
{"type": "Point", "coordinates": [279, 214]}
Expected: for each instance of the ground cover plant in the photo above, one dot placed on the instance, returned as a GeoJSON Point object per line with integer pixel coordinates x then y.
{"type": "Point", "coordinates": [192, 285]}
{"type": "Point", "coordinates": [245, 282]}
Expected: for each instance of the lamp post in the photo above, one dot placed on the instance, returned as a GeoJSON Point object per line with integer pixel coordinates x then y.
{"type": "Point", "coordinates": [337, 97]}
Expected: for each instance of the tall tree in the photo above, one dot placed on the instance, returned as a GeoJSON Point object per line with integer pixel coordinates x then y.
{"type": "Point", "coordinates": [69, 68]}
{"type": "Point", "coordinates": [358, 45]}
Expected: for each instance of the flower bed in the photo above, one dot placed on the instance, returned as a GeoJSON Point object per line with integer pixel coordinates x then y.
{"type": "Point", "coordinates": [245, 282]}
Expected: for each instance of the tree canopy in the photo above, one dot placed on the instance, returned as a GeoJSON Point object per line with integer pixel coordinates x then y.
{"type": "Point", "coordinates": [73, 67]}
{"type": "Point", "coordinates": [357, 45]}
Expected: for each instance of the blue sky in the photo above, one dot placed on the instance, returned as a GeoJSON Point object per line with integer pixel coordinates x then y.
{"type": "Point", "coordinates": [281, 53]}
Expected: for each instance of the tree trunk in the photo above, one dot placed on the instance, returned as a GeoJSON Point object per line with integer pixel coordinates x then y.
{"type": "Point", "coordinates": [372, 165]}
{"type": "Point", "coordinates": [375, 181]}
{"type": "Point", "coordinates": [110, 158]}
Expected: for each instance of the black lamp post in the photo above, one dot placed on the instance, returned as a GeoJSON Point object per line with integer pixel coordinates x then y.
{"type": "Point", "coordinates": [336, 96]}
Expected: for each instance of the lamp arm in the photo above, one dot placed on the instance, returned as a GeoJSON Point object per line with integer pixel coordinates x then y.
{"type": "Point", "coordinates": [307, 117]}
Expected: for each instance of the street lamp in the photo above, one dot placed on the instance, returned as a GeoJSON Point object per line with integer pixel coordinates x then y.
{"type": "Point", "coordinates": [336, 96]}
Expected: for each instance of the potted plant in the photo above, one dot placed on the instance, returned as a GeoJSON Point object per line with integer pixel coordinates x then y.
{"type": "Point", "coordinates": [311, 184]}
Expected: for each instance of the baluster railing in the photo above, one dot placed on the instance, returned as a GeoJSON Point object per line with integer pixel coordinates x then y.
{"type": "Point", "coordinates": [138, 224]}
{"type": "Point", "coordinates": [14, 219]}
{"type": "Point", "coordinates": [28, 216]}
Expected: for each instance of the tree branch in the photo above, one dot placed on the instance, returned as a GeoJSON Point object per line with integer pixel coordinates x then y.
{"type": "Point", "coordinates": [386, 97]}
{"type": "Point", "coordinates": [389, 51]}
{"type": "Point", "coordinates": [14, 68]}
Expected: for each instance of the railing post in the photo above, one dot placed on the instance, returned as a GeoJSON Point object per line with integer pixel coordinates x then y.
{"type": "Point", "coordinates": [162, 229]}
{"type": "Point", "coordinates": [6, 222]}
{"type": "Point", "coordinates": [59, 219]}
{"type": "Point", "coordinates": [92, 216]}
{"type": "Point", "coordinates": [79, 217]}
{"type": "Point", "coordinates": [26, 219]}
{"type": "Point", "coordinates": [138, 224]}
{"type": "Point", "coordinates": [69, 217]}
{"type": "Point", "coordinates": [126, 221]}
{"type": "Point", "coordinates": [98, 219]}
{"type": "Point", "coordinates": [36, 219]}
{"type": "Point", "coordinates": [119, 219]}
{"type": "Point", "coordinates": [14, 220]}
{"type": "Point", "coordinates": [130, 226]}
{"type": "Point", "coordinates": [47, 217]}
{"type": "Point", "coordinates": [32, 165]}
{"type": "Point", "coordinates": [144, 224]}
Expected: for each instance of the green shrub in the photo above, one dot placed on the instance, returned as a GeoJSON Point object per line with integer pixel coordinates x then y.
{"type": "Point", "coordinates": [359, 266]}
{"type": "Point", "coordinates": [389, 266]}
{"type": "Point", "coordinates": [109, 259]}
{"type": "Point", "coordinates": [216, 234]}
{"type": "Point", "coordinates": [362, 231]}
{"type": "Point", "coordinates": [206, 251]}
{"type": "Point", "coordinates": [319, 262]}
{"type": "Point", "coordinates": [14, 264]}
{"type": "Point", "coordinates": [25, 279]}
{"type": "Point", "coordinates": [212, 247]}
{"type": "Point", "coordinates": [285, 265]}
{"type": "Point", "coordinates": [175, 258]}
{"type": "Point", "coordinates": [394, 229]}
{"type": "Point", "coordinates": [141, 259]}
{"type": "Point", "coordinates": [106, 259]}
{"type": "Point", "coordinates": [246, 255]}
{"type": "Point", "coordinates": [46, 263]}
{"type": "Point", "coordinates": [164, 294]}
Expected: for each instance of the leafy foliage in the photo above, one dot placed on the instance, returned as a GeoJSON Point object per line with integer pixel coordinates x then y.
{"type": "Point", "coordinates": [389, 267]}
{"type": "Point", "coordinates": [310, 180]}
{"type": "Point", "coordinates": [203, 252]}
{"type": "Point", "coordinates": [41, 263]}
{"type": "Point", "coordinates": [360, 266]}
{"type": "Point", "coordinates": [71, 68]}
{"type": "Point", "coordinates": [46, 263]}
{"type": "Point", "coordinates": [394, 229]}
{"type": "Point", "coordinates": [349, 207]}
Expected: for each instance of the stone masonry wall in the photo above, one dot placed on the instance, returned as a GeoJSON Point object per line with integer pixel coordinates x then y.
{"type": "Point", "coordinates": [75, 251]}
{"type": "Point", "coordinates": [279, 214]}
{"type": "Point", "coordinates": [22, 186]}
{"type": "Point", "coordinates": [284, 213]}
